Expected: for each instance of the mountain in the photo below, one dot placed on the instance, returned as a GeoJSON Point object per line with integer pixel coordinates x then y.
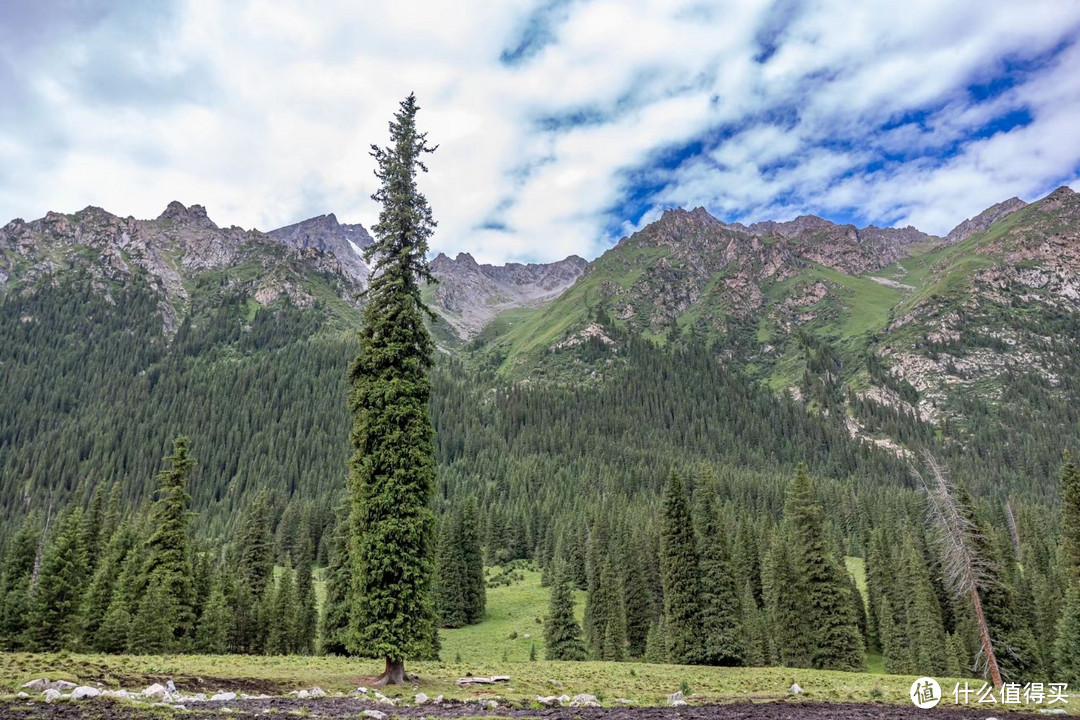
{"type": "Point", "coordinates": [326, 235]}
{"type": "Point", "coordinates": [470, 295]}
{"type": "Point", "coordinates": [897, 334]}
{"type": "Point", "coordinates": [864, 344]}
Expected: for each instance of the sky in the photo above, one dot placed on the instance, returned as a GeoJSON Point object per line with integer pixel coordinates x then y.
{"type": "Point", "coordinates": [562, 125]}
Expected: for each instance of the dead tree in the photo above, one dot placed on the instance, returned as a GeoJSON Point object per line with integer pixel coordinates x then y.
{"type": "Point", "coordinates": [959, 537]}
{"type": "Point", "coordinates": [1014, 533]}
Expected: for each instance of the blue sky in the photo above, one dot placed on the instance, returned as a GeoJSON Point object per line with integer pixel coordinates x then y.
{"type": "Point", "coordinates": [562, 124]}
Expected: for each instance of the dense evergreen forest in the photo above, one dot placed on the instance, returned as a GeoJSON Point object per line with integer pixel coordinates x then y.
{"type": "Point", "coordinates": [701, 513]}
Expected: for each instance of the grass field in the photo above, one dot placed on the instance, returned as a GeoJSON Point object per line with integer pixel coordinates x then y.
{"type": "Point", "coordinates": [496, 646]}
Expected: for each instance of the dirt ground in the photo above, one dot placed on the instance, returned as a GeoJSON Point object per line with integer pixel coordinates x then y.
{"type": "Point", "coordinates": [334, 708]}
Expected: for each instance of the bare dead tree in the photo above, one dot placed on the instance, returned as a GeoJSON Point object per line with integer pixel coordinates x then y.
{"type": "Point", "coordinates": [41, 546]}
{"type": "Point", "coordinates": [1013, 532]}
{"type": "Point", "coordinates": [966, 570]}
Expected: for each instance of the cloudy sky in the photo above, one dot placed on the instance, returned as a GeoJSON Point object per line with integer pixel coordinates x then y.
{"type": "Point", "coordinates": [562, 125]}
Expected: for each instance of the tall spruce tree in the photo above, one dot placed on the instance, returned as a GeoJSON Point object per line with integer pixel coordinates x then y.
{"type": "Point", "coordinates": [54, 617]}
{"type": "Point", "coordinates": [169, 561]}
{"type": "Point", "coordinates": [562, 633]}
{"type": "Point", "coordinates": [681, 576]}
{"type": "Point", "coordinates": [721, 616]}
{"type": "Point", "coordinates": [473, 556]}
{"type": "Point", "coordinates": [450, 585]}
{"type": "Point", "coordinates": [392, 469]}
{"type": "Point", "coordinates": [790, 640]}
{"type": "Point", "coordinates": [837, 644]}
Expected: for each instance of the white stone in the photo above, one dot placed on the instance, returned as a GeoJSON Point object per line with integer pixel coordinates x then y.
{"type": "Point", "coordinates": [170, 687]}
{"type": "Point", "coordinates": [421, 698]}
{"type": "Point", "coordinates": [317, 692]}
{"type": "Point", "coordinates": [796, 689]}
{"type": "Point", "coordinates": [678, 703]}
{"type": "Point", "coordinates": [675, 696]}
{"type": "Point", "coordinates": [39, 685]}
{"type": "Point", "coordinates": [564, 698]}
{"type": "Point", "coordinates": [22, 694]}
{"type": "Point", "coordinates": [584, 700]}
{"type": "Point", "coordinates": [84, 691]}
{"type": "Point", "coordinates": [303, 695]}
{"type": "Point", "coordinates": [63, 685]}
{"type": "Point", "coordinates": [224, 696]}
{"type": "Point", "coordinates": [374, 714]}
{"type": "Point", "coordinates": [550, 701]}
{"type": "Point", "coordinates": [50, 695]}
{"type": "Point", "coordinates": [156, 690]}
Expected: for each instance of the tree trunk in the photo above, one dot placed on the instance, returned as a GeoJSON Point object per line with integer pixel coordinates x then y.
{"type": "Point", "coordinates": [394, 674]}
{"type": "Point", "coordinates": [984, 634]}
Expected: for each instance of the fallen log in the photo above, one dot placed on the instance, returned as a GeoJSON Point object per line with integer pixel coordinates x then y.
{"type": "Point", "coordinates": [483, 680]}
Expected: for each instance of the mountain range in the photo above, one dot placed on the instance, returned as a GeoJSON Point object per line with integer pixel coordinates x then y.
{"type": "Point", "coordinates": [897, 336]}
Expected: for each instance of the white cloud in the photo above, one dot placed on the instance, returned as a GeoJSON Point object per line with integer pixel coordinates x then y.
{"type": "Point", "coordinates": [264, 111]}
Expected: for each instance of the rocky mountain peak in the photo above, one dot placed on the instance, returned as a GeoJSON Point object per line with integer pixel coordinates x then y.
{"type": "Point", "coordinates": [324, 233]}
{"type": "Point", "coordinates": [985, 219]}
{"type": "Point", "coordinates": [194, 215]}
{"type": "Point", "coordinates": [469, 294]}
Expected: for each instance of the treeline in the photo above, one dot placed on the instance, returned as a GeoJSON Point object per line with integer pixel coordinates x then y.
{"type": "Point", "coordinates": [102, 580]}
{"type": "Point", "coordinates": [709, 583]}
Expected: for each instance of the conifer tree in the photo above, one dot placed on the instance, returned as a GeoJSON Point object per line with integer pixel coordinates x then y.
{"type": "Point", "coordinates": [92, 529]}
{"type": "Point", "coordinates": [305, 618]}
{"type": "Point", "coordinates": [636, 599]}
{"type": "Point", "coordinates": [1070, 518]}
{"type": "Point", "coordinates": [15, 584]}
{"type": "Point", "coordinates": [169, 561]}
{"type": "Point", "coordinates": [1067, 636]}
{"type": "Point", "coordinates": [54, 619]}
{"type": "Point", "coordinates": [754, 630]}
{"type": "Point", "coordinates": [836, 641]}
{"type": "Point", "coordinates": [954, 667]}
{"type": "Point", "coordinates": [151, 631]}
{"type": "Point", "coordinates": [746, 558]}
{"type": "Point", "coordinates": [392, 470]}
{"type": "Point", "coordinates": [473, 555]}
{"type": "Point", "coordinates": [656, 643]}
{"type": "Point", "coordinates": [858, 607]}
{"type": "Point", "coordinates": [924, 631]}
{"type": "Point", "coordinates": [449, 587]}
{"type": "Point", "coordinates": [112, 635]}
{"type": "Point", "coordinates": [1067, 641]}
{"type": "Point", "coordinates": [597, 602]}
{"type": "Point", "coordinates": [334, 620]}
{"type": "Point", "coordinates": [256, 544]}
{"type": "Point", "coordinates": [613, 646]}
{"type": "Point", "coordinates": [721, 615]}
{"type": "Point", "coordinates": [281, 620]}
{"type": "Point", "coordinates": [562, 634]}
{"type": "Point", "coordinates": [99, 594]}
{"type": "Point", "coordinates": [212, 632]}
{"type": "Point", "coordinates": [681, 577]}
{"type": "Point", "coordinates": [790, 638]}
